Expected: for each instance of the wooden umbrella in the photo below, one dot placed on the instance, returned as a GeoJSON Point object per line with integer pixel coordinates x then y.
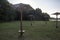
{"type": "Point", "coordinates": [57, 13]}
{"type": "Point", "coordinates": [31, 18]}
{"type": "Point", "coordinates": [21, 31]}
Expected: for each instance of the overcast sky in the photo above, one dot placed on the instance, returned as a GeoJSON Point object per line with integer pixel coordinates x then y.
{"type": "Point", "coordinates": [49, 6]}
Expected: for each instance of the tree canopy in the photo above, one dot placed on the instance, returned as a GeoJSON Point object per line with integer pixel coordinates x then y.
{"type": "Point", "coordinates": [9, 12]}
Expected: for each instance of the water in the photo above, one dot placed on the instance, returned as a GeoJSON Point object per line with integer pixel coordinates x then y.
{"type": "Point", "coordinates": [53, 20]}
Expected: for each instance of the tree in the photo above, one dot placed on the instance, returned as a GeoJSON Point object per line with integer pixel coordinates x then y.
{"type": "Point", "coordinates": [38, 10]}
{"type": "Point", "coordinates": [7, 13]}
{"type": "Point", "coordinates": [38, 14]}
{"type": "Point", "coordinates": [46, 16]}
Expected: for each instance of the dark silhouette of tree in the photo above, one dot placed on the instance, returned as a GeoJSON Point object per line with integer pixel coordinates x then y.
{"type": "Point", "coordinates": [9, 12]}
{"type": "Point", "coordinates": [46, 17]}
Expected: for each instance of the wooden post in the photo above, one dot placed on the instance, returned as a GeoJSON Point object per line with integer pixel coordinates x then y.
{"type": "Point", "coordinates": [21, 25]}
{"type": "Point", "coordinates": [56, 21]}
{"type": "Point", "coordinates": [31, 20]}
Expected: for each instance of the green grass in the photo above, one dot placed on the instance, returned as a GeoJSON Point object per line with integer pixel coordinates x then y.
{"type": "Point", "coordinates": [38, 31]}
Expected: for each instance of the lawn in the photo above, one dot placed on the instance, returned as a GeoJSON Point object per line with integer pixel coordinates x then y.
{"type": "Point", "coordinates": [38, 31]}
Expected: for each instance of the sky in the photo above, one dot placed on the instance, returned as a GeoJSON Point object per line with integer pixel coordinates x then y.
{"type": "Point", "coordinates": [48, 6]}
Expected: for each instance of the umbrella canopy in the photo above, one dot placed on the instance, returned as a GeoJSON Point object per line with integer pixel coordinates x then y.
{"type": "Point", "coordinates": [57, 13]}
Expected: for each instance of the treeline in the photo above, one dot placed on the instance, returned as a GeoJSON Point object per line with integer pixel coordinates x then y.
{"type": "Point", "coordinates": [9, 13]}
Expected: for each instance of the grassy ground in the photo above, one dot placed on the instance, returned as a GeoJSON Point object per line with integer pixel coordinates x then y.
{"type": "Point", "coordinates": [38, 31]}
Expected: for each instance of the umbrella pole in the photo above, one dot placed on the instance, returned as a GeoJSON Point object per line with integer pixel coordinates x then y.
{"type": "Point", "coordinates": [56, 21]}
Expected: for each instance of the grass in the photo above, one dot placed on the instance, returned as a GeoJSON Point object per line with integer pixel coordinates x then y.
{"type": "Point", "coordinates": [38, 31]}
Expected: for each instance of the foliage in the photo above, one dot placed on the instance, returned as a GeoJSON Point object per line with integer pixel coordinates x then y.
{"type": "Point", "coordinates": [9, 12]}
